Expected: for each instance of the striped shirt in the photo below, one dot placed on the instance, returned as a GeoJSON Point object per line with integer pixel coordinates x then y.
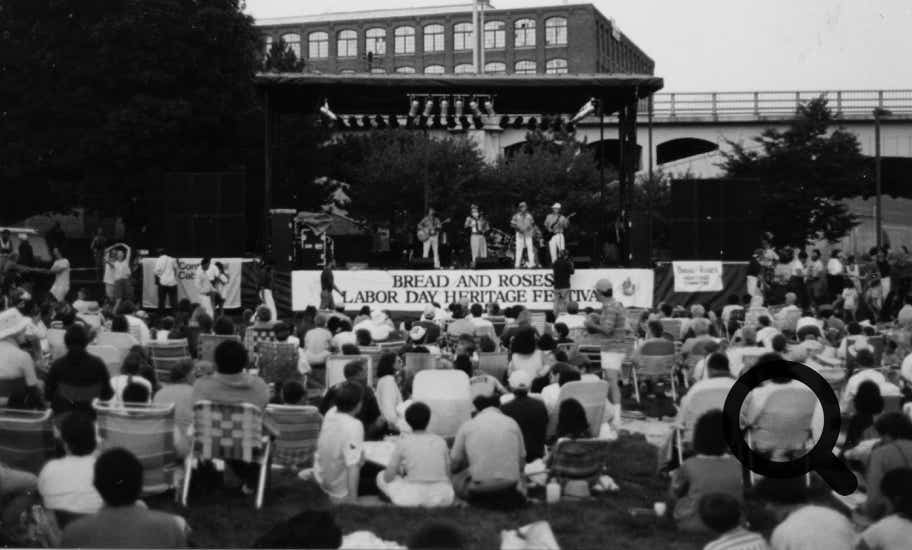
{"type": "Point", "coordinates": [738, 538]}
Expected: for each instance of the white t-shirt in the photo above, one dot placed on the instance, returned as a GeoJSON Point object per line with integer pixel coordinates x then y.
{"type": "Point", "coordinates": [165, 268]}
{"type": "Point", "coordinates": [61, 270]}
{"type": "Point", "coordinates": [139, 329]}
{"type": "Point", "coordinates": [891, 533]}
{"type": "Point", "coordinates": [121, 270]}
{"type": "Point", "coordinates": [66, 484]}
{"type": "Point", "coordinates": [339, 446]}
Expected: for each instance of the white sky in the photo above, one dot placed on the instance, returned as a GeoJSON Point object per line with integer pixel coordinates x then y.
{"type": "Point", "coordinates": [732, 45]}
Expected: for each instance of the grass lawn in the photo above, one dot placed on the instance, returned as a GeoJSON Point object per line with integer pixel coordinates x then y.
{"type": "Point", "coordinates": [226, 519]}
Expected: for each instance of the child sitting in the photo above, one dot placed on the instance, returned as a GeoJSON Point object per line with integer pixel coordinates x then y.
{"type": "Point", "coordinates": [418, 471]}
{"type": "Point", "coordinates": [722, 514]}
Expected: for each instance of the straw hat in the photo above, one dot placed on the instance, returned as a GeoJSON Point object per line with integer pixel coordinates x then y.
{"type": "Point", "coordinates": [12, 323]}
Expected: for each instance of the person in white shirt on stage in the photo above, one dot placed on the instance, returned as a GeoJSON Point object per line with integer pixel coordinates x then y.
{"type": "Point", "coordinates": [477, 226]}
{"type": "Point", "coordinates": [117, 272]}
{"type": "Point", "coordinates": [429, 232]}
{"type": "Point", "coordinates": [556, 224]}
{"type": "Point", "coordinates": [165, 272]}
{"type": "Point", "coordinates": [524, 225]}
{"type": "Point", "coordinates": [205, 274]}
{"type": "Point", "coordinates": [60, 269]}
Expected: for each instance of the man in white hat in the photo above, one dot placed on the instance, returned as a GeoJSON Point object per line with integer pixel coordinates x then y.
{"type": "Point", "coordinates": [524, 224]}
{"type": "Point", "coordinates": [15, 363]}
{"type": "Point", "coordinates": [556, 224]}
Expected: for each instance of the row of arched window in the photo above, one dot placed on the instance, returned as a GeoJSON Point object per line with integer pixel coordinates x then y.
{"type": "Point", "coordinates": [434, 38]}
{"type": "Point", "coordinates": [552, 66]}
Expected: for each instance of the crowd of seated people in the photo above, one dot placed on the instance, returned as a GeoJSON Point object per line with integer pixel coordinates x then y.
{"type": "Point", "coordinates": [515, 410]}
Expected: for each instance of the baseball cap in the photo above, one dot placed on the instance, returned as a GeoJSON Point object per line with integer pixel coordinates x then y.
{"type": "Point", "coordinates": [603, 286]}
{"type": "Point", "coordinates": [520, 380]}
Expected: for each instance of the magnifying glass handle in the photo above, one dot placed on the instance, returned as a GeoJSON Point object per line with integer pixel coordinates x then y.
{"type": "Point", "coordinates": [836, 474]}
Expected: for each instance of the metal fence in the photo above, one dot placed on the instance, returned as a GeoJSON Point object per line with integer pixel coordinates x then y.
{"type": "Point", "coordinates": [721, 106]}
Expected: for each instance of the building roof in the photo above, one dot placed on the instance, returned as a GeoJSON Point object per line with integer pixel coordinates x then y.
{"type": "Point", "coordinates": [389, 93]}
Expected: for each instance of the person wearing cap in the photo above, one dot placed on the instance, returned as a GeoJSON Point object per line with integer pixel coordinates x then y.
{"type": "Point", "coordinates": [611, 323]}
{"type": "Point", "coordinates": [529, 413]}
{"type": "Point", "coordinates": [524, 224]}
{"type": "Point", "coordinates": [15, 363]}
{"type": "Point", "coordinates": [477, 226]}
{"type": "Point", "coordinates": [429, 227]}
{"type": "Point", "coordinates": [556, 224]}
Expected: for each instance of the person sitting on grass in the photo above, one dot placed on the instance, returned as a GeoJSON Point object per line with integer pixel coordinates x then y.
{"type": "Point", "coordinates": [722, 514]}
{"type": "Point", "coordinates": [488, 457]}
{"type": "Point", "coordinates": [340, 454]}
{"type": "Point", "coordinates": [123, 521]}
{"type": "Point", "coordinates": [418, 472]}
{"type": "Point", "coordinates": [77, 369]}
{"type": "Point", "coordinates": [65, 484]}
{"type": "Point", "coordinates": [388, 394]}
{"type": "Point", "coordinates": [711, 470]}
{"type": "Point", "coordinates": [529, 412]}
{"type": "Point", "coordinates": [893, 532]}
{"type": "Point", "coordinates": [369, 413]}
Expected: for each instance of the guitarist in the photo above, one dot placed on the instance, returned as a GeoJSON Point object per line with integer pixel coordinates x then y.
{"type": "Point", "coordinates": [477, 226]}
{"type": "Point", "coordinates": [524, 225]}
{"type": "Point", "coordinates": [429, 235]}
{"type": "Point", "coordinates": [556, 224]}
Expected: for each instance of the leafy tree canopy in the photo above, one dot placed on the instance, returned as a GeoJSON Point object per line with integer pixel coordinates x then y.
{"type": "Point", "coordinates": [806, 170]}
{"type": "Point", "coordinates": [282, 59]}
{"type": "Point", "coordinates": [98, 92]}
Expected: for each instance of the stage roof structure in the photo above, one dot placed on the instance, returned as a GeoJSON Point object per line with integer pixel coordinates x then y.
{"type": "Point", "coordinates": [393, 94]}
{"type": "Point", "coordinates": [389, 93]}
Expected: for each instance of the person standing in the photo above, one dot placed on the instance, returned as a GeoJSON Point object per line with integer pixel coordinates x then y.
{"type": "Point", "coordinates": [524, 225]}
{"type": "Point", "coordinates": [203, 278]}
{"type": "Point", "coordinates": [97, 247]}
{"type": "Point", "coordinates": [266, 280]}
{"type": "Point", "coordinates": [26, 252]}
{"type": "Point", "coordinates": [611, 324]}
{"type": "Point", "coordinates": [835, 274]}
{"type": "Point", "coordinates": [118, 277]}
{"type": "Point", "coordinates": [60, 269]}
{"type": "Point", "coordinates": [165, 272]}
{"type": "Point", "coordinates": [429, 230]}
{"type": "Point", "coordinates": [477, 226]}
{"type": "Point", "coordinates": [327, 287]}
{"type": "Point", "coordinates": [56, 236]}
{"type": "Point", "coordinates": [562, 269]}
{"type": "Point", "coordinates": [219, 286]}
{"type": "Point", "coordinates": [556, 224]}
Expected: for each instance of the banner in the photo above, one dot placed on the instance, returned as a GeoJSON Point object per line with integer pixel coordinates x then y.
{"type": "Point", "coordinates": [186, 287]}
{"type": "Point", "coordinates": [412, 290]}
{"type": "Point", "coordinates": [697, 276]}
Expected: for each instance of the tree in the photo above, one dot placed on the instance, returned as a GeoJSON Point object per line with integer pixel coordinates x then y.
{"type": "Point", "coordinates": [97, 94]}
{"type": "Point", "coordinates": [549, 168]}
{"type": "Point", "coordinates": [806, 170]}
{"type": "Point", "coordinates": [282, 59]}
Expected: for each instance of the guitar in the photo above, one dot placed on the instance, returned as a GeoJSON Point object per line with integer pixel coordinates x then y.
{"type": "Point", "coordinates": [551, 233]}
{"type": "Point", "coordinates": [424, 234]}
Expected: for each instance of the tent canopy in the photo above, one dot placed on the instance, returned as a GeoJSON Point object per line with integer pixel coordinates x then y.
{"type": "Point", "coordinates": [388, 93]}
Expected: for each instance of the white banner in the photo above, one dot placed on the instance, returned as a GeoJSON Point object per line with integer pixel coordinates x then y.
{"type": "Point", "coordinates": [186, 287]}
{"type": "Point", "coordinates": [412, 290]}
{"type": "Point", "coordinates": [697, 276]}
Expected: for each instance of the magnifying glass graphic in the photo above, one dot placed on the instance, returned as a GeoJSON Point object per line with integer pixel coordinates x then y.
{"type": "Point", "coordinates": [820, 459]}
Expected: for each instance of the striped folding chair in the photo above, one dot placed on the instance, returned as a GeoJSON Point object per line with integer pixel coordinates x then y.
{"type": "Point", "coordinates": [146, 430]}
{"type": "Point", "coordinates": [253, 336]}
{"type": "Point", "coordinates": [165, 355]}
{"type": "Point", "coordinates": [228, 431]}
{"type": "Point", "coordinates": [494, 364]}
{"type": "Point", "coordinates": [278, 362]}
{"type": "Point", "coordinates": [673, 327]}
{"type": "Point", "coordinates": [655, 366]}
{"type": "Point", "coordinates": [26, 439]}
{"type": "Point", "coordinates": [579, 459]}
{"type": "Point", "coordinates": [208, 343]}
{"type": "Point", "coordinates": [299, 428]}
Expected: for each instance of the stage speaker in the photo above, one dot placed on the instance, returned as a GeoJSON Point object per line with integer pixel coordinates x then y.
{"type": "Point", "coordinates": [421, 263]}
{"type": "Point", "coordinates": [281, 239]}
{"type": "Point", "coordinates": [490, 263]}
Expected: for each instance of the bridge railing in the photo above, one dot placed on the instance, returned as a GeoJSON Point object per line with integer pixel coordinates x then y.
{"type": "Point", "coordinates": [716, 106]}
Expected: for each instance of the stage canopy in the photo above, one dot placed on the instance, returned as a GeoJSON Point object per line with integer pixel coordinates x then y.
{"type": "Point", "coordinates": [388, 93]}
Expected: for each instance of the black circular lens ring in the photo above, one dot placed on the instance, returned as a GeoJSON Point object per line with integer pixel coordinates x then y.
{"type": "Point", "coordinates": [820, 459]}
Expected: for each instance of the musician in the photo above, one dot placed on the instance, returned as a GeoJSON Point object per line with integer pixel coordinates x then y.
{"type": "Point", "coordinates": [477, 226]}
{"type": "Point", "coordinates": [556, 224]}
{"type": "Point", "coordinates": [524, 225]}
{"type": "Point", "coordinates": [429, 230]}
